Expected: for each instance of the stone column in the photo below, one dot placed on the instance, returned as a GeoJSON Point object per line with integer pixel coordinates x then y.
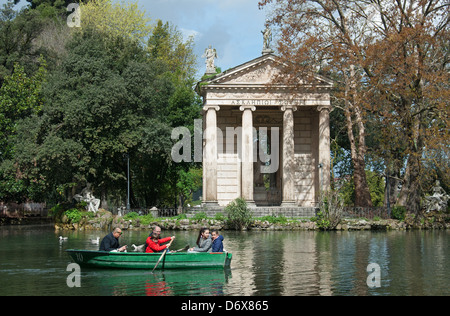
{"type": "Point", "coordinates": [288, 186]}
{"type": "Point", "coordinates": [324, 147]}
{"type": "Point", "coordinates": [210, 157]}
{"type": "Point", "coordinates": [247, 154]}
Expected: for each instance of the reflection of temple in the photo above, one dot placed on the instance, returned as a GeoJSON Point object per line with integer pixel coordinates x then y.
{"type": "Point", "coordinates": [244, 120]}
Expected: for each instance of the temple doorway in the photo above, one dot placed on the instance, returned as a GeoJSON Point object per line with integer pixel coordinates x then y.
{"type": "Point", "coordinates": [267, 174]}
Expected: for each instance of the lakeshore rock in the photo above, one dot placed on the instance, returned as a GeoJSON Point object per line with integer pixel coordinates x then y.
{"type": "Point", "coordinates": [105, 220]}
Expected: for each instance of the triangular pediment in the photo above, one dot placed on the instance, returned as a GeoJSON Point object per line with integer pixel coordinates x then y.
{"type": "Point", "coordinates": [260, 71]}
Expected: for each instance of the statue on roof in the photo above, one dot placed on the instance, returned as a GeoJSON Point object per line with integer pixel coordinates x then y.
{"type": "Point", "coordinates": [210, 54]}
{"type": "Point", "coordinates": [267, 36]}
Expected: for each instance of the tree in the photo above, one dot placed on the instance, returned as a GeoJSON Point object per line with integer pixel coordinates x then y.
{"type": "Point", "coordinates": [411, 94]}
{"type": "Point", "coordinates": [59, 4]}
{"type": "Point", "coordinates": [18, 30]}
{"type": "Point", "coordinates": [166, 43]}
{"type": "Point", "coordinates": [20, 97]}
{"type": "Point", "coordinates": [108, 99]}
{"type": "Point", "coordinates": [392, 61]}
{"type": "Point", "coordinates": [123, 19]}
{"type": "Point", "coordinates": [320, 35]}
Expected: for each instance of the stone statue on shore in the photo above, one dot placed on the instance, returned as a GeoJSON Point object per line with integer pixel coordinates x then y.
{"type": "Point", "coordinates": [438, 201]}
{"type": "Point", "coordinates": [87, 196]}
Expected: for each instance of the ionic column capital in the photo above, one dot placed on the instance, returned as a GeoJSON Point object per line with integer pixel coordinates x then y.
{"type": "Point", "coordinates": [247, 107]}
{"type": "Point", "coordinates": [289, 107]}
{"type": "Point", "coordinates": [211, 107]}
{"type": "Point", "coordinates": [321, 108]}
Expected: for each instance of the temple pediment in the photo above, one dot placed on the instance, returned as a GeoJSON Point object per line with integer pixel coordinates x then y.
{"type": "Point", "coordinates": [259, 72]}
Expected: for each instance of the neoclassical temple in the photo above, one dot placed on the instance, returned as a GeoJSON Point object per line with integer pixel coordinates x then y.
{"type": "Point", "coordinates": [264, 143]}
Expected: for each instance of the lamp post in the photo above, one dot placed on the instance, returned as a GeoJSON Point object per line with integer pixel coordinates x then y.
{"type": "Point", "coordinates": [388, 193]}
{"type": "Point", "coordinates": [128, 180]}
{"type": "Point", "coordinates": [321, 176]}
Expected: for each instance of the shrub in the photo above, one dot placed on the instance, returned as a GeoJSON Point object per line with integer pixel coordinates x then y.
{"type": "Point", "coordinates": [398, 212]}
{"type": "Point", "coordinates": [199, 216]}
{"type": "Point", "coordinates": [219, 217]}
{"type": "Point", "coordinates": [131, 215]}
{"type": "Point", "coordinates": [146, 220]}
{"type": "Point", "coordinates": [56, 211]}
{"type": "Point", "coordinates": [274, 219]}
{"type": "Point", "coordinates": [239, 215]}
{"type": "Point", "coordinates": [180, 216]}
{"type": "Point", "coordinates": [330, 210]}
{"type": "Point", "coordinates": [74, 215]}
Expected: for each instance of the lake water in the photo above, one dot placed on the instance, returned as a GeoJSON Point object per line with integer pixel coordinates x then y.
{"type": "Point", "coordinates": [34, 262]}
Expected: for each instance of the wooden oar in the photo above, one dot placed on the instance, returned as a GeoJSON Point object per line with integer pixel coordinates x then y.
{"type": "Point", "coordinates": [163, 254]}
{"type": "Point", "coordinates": [182, 249]}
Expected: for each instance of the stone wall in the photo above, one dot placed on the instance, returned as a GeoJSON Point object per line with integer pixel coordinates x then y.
{"type": "Point", "coordinates": [294, 212]}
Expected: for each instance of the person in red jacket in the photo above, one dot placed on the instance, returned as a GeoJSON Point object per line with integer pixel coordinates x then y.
{"type": "Point", "coordinates": [154, 244]}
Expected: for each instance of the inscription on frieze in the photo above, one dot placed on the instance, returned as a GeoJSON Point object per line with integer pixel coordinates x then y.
{"type": "Point", "coordinates": [267, 102]}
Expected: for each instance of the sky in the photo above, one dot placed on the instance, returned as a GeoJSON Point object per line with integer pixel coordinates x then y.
{"type": "Point", "coordinates": [232, 27]}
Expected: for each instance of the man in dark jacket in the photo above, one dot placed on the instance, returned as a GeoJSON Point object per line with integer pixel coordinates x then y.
{"type": "Point", "coordinates": [111, 241]}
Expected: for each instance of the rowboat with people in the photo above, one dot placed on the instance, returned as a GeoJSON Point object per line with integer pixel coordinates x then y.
{"type": "Point", "coordinates": [149, 261]}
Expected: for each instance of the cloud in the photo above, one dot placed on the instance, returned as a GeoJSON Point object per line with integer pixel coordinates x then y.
{"type": "Point", "coordinates": [231, 26]}
{"type": "Point", "coordinates": [190, 33]}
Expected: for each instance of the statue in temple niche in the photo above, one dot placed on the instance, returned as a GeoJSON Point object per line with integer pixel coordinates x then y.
{"type": "Point", "coordinates": [210, 54]}
{"type": "Point", "coordinates": [87, 196]}
{"type": "Point", "coordinates": [438, 201]}
{"type": "Point", "coordinates": [267, 36]}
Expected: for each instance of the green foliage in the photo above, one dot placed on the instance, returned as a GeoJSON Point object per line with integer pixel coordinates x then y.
{"type": "Point", "coordinates": [20, 97]}
{"type": "Point", "coordinates": [131, 215]}
{"type": "Point", "coordinates": [189, 182]}
{"type": "Point", "coordinates": [239, 215]}
{"type": "Point", "coordinates": [18, 32]}
{"type": "Point", "coordinates": [398, 212]}
{"type": "Point", "coordinates": [219, 216]}
{"type": "Point", "coordinates": [105, 100]}
{"type": "Point", "coordinates": [115, 19]}
{"type": "Point", "coordinates": [74, 215]}
{"type": "Point", "coordinates": [106, 95]}
{"type": "Point", "coordinates": [330, 210]}
{"type": "Point", "coordinates": [146, 219]}
{"type": "Point", "coordinates": [56, 211]}
{"type": "Point", "coordinates": [376, 187]}
{"type": "Point", "coordinates": [166, 43]}
{"type": "Point", "coordinates": [275, 219]}
{"type": "Point", "coordinates": [322, 220]}
{"type": "Point", "coordinates": [199, 216]}
{"type": "Point", "coordinates": [180, 217]}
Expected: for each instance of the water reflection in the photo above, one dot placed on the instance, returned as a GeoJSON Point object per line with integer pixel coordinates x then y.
{"type": "Point", "coordinates": [161, 283]}
{"type": "Point", "coordinates": [33, 262]}
{"type": "Point", "coordinates": [335, 263]}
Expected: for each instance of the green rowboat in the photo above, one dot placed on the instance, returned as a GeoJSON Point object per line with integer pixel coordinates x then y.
{"type": "Point", "coordinates": [139, 260]}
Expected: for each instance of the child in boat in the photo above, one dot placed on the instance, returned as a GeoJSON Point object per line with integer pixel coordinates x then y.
{"type": "Point", "coordinates": [154, 244]}
{"type": "Point", "coordinates": [217, 245]}
{"type": "Point", "coordinates": [204, 242]}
